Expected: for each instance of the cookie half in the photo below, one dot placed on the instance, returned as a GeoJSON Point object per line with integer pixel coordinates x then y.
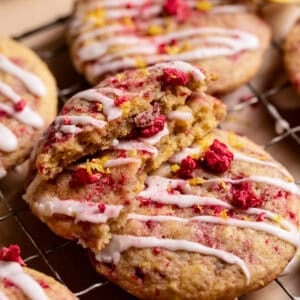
{"type": "Point", "coordinates": [292, 55]}
{"type": "Point", "coordinates": [18, 282]}
{"type": "Point", "coordinates": [136, 102]}
{"type": "Point", "coordinates": [217, 221]}
{"type": "Point", "coordinates": [107, 37]}
{"type": "Point", "coordinates": [27, 102]}
{"type": "Point", "coordinates": [87, 196]}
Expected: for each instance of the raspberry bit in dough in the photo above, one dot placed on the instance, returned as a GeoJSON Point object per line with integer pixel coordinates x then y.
{"type": "Point", "coordinates": [174, 77]}
{"type": "Point", "coordinates": [178, 8]}
{"type": "Point", "coordinates": [12, 253]}
{"type": "Point", "coordinates": [187, 167]}
{"type": "Point", "coordinates": [243, 196]}
{"type": "Point", "coordinates": [156, 127]}
{"type": "Point", "coordinates": [218, 158]}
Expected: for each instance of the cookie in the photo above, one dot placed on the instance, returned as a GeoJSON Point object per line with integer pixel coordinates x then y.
{"type": "Point", "coordinates": [107, 37]}
{"type": "Point", "coordinates": [82, 200]}
{"type": "Point", "coordinates": [27, 102]}
{"type": "Point", "coordinates": [18, 282]}
{"type": "Point", "coordinates": [292, 55]}
{"type": "Point", "coordinates": [217, 221]}
{"type": "Point", "coordinates": [144, 103]}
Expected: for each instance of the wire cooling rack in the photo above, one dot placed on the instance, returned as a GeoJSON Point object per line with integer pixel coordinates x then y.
{"type": "Point", "coordinates": [65, 260]}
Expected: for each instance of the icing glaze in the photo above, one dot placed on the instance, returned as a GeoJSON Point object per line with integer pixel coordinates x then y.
{"type": "Point", "coordinates": [81, 211]}
{"type": "Point", "coordinates": [8, 141]}
{"type": "Point", "coordinates": [31, 81]}
{"type": "Point", "coordinates": [180, 115]}
{"type": "Point", "coordinates": [120, 243]}
{"type": "Point", "coordinates": [157, 192]}
{"type": "Point", "coordinates": [14, 272]}
{"type": "Point", "coordinates": [2, 172]}
{"type": "Point", "coordinates": [178, 157]}
{"type": "Point", "coordinates": [135, 145]}
{"type": "Point", "coordinates": [259, 226]}
{"type": "Point", "coordinates": [157, 137]}
{"type": "Point", "coordinates": [111, 111]}
{"type": "Point", "coordinates": [76, 120]}
{"type": "Point", "coordinates": [2, 296]}
{"type": "Point", "coordinates": [112, 163]}
{"type": "Point", "coordinates": [242, 157]}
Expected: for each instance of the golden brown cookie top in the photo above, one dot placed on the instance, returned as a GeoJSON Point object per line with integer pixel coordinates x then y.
{"type": "Point", "coordinates": [27, 101]}
{"type": "Point", "coordinates": [91, 120]}
{"type": "Point", "coordinates": [19, 282]}
{"type": "Point", "coordinates": [222, 209]}
{"type": "Point", "coordinates": [107, 37]}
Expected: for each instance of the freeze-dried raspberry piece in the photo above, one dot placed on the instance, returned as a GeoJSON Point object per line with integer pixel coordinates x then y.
{"type": "Point", "coordinates": [12, 253]}
{"type": "Point", "coordinates": [243, 196]}
{"type": "Point", "coordinates": [157, 126]}
{"type": "Point", "coordinates": [217, 158]}
{"type": "Point", "coordinates": [187, 166]}
{"type": "Point", "coordinates": [178, 8]}
{"type": "Point", "coordinates": [81, 177]}
{"type": "Point", "coordinates": [20, 105]}
{"type": "Point", "coordinates": [174, 77]}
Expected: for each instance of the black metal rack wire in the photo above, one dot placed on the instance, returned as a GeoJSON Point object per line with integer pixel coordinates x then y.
{"type": "Point", "coordinates": [92, 288]}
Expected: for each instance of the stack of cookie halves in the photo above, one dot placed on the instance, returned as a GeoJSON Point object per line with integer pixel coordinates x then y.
{"type": "Point", "coordinates": [134, 169]}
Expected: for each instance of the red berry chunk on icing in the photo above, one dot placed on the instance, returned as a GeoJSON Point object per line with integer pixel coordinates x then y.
{"type": "Point", "coordinates": [81, 177]}
{"type": "Point", "coordinates": [243, 196]}
{"type": "Point", "coordinates": [174, 77]}
{"type": "Point", "coordinates": [20, 105]}
{"type": "Point", "coordinates": [178, 8]}
{"type": "Point", "coordinates": [101, 207]}
{"type": "Point", "coordinates": [12, 253]}
{"type": "Point", "coordinates": [187, 166]}
{"type": "Point", "coordinates": [157, 126]}
{"type": "Point", "coordinates": [217, 158]}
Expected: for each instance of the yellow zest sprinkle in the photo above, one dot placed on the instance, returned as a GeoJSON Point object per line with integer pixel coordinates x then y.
{"type": "Point", "coordinates": [233, 141]}
{"type": "Point", "coordinates": [204, 5]}
{"type": "Point", "coordinates": [128, 21]}
{"type": "Point", "coordinates": [125, 107]}
{"type": "Point", "coordinates": [140, 63]}
{"type": "Point", "coordinates": [120, 76]}
{"type": "Point", "coordinates": [143, 72]}
{"type": "Point", "coordinates": [172, 50]}
{"type": "Point", "coordinates": [223, 185]}
{"type": "Point", "coordinates": [223, 214]}
{"type": "Point", "coordinates": [246, 218]}
{"type": "Point", "coordinates": [277, 219]}
{"type": "Point", "coordinates": [155, 30]}
{"type": "Point", "coordinates": [97, 165]}
{"type": "Point", "coordinates": [99, 106]}
{"type": "Point", "coordinates": [196, 181]}
{"type": "Point", "coordinates": [175, 168]}
{"type": "Point", "coordinates": [132, 153]}
{"type": "Point", "coordinates": [98, 16]}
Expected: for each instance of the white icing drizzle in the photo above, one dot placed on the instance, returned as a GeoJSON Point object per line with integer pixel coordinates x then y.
{"type": "Point", "coordinates": [8, 141]}
{"type": "Point", "coordinates": [287, 186]}
{"type": "Point", "coordinates": [226, 42]}
{"type": "Point", "coordinates": [260, 226]}
{"type": "Point", "coordinates": [31, 81]}
{"type": "Point", "coordinates": [180, 115]}
{"type": "Point", "coordinates": [157, 192]}
{"type": "Point", "coordinates": [112, 163]}
{"type": "Point", "coordinates": [157, 137]}
{"type": "Point", "coordinates": [134, 145]}
{"type": "Point", "coordinates": [120, 243]}
{"type": "Point", "coordinates": [82, 211]}
{"type": "Point", "coordinates": [243, 157]}
{"type": "Point", "coordinates": [2, 172]}
{"type": "Point", "coordinates": [27, 115]}
{"type": "Point", "coordinates": [2, 296]}
{"type": "Point", "coordinates": [111, 111]}
{"type": "Point", "coordinates": [178, 157]}
{"type": "Point", "coordinates": [14, 272]}
{"type": "Point", "coordinates": [77, 120]}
